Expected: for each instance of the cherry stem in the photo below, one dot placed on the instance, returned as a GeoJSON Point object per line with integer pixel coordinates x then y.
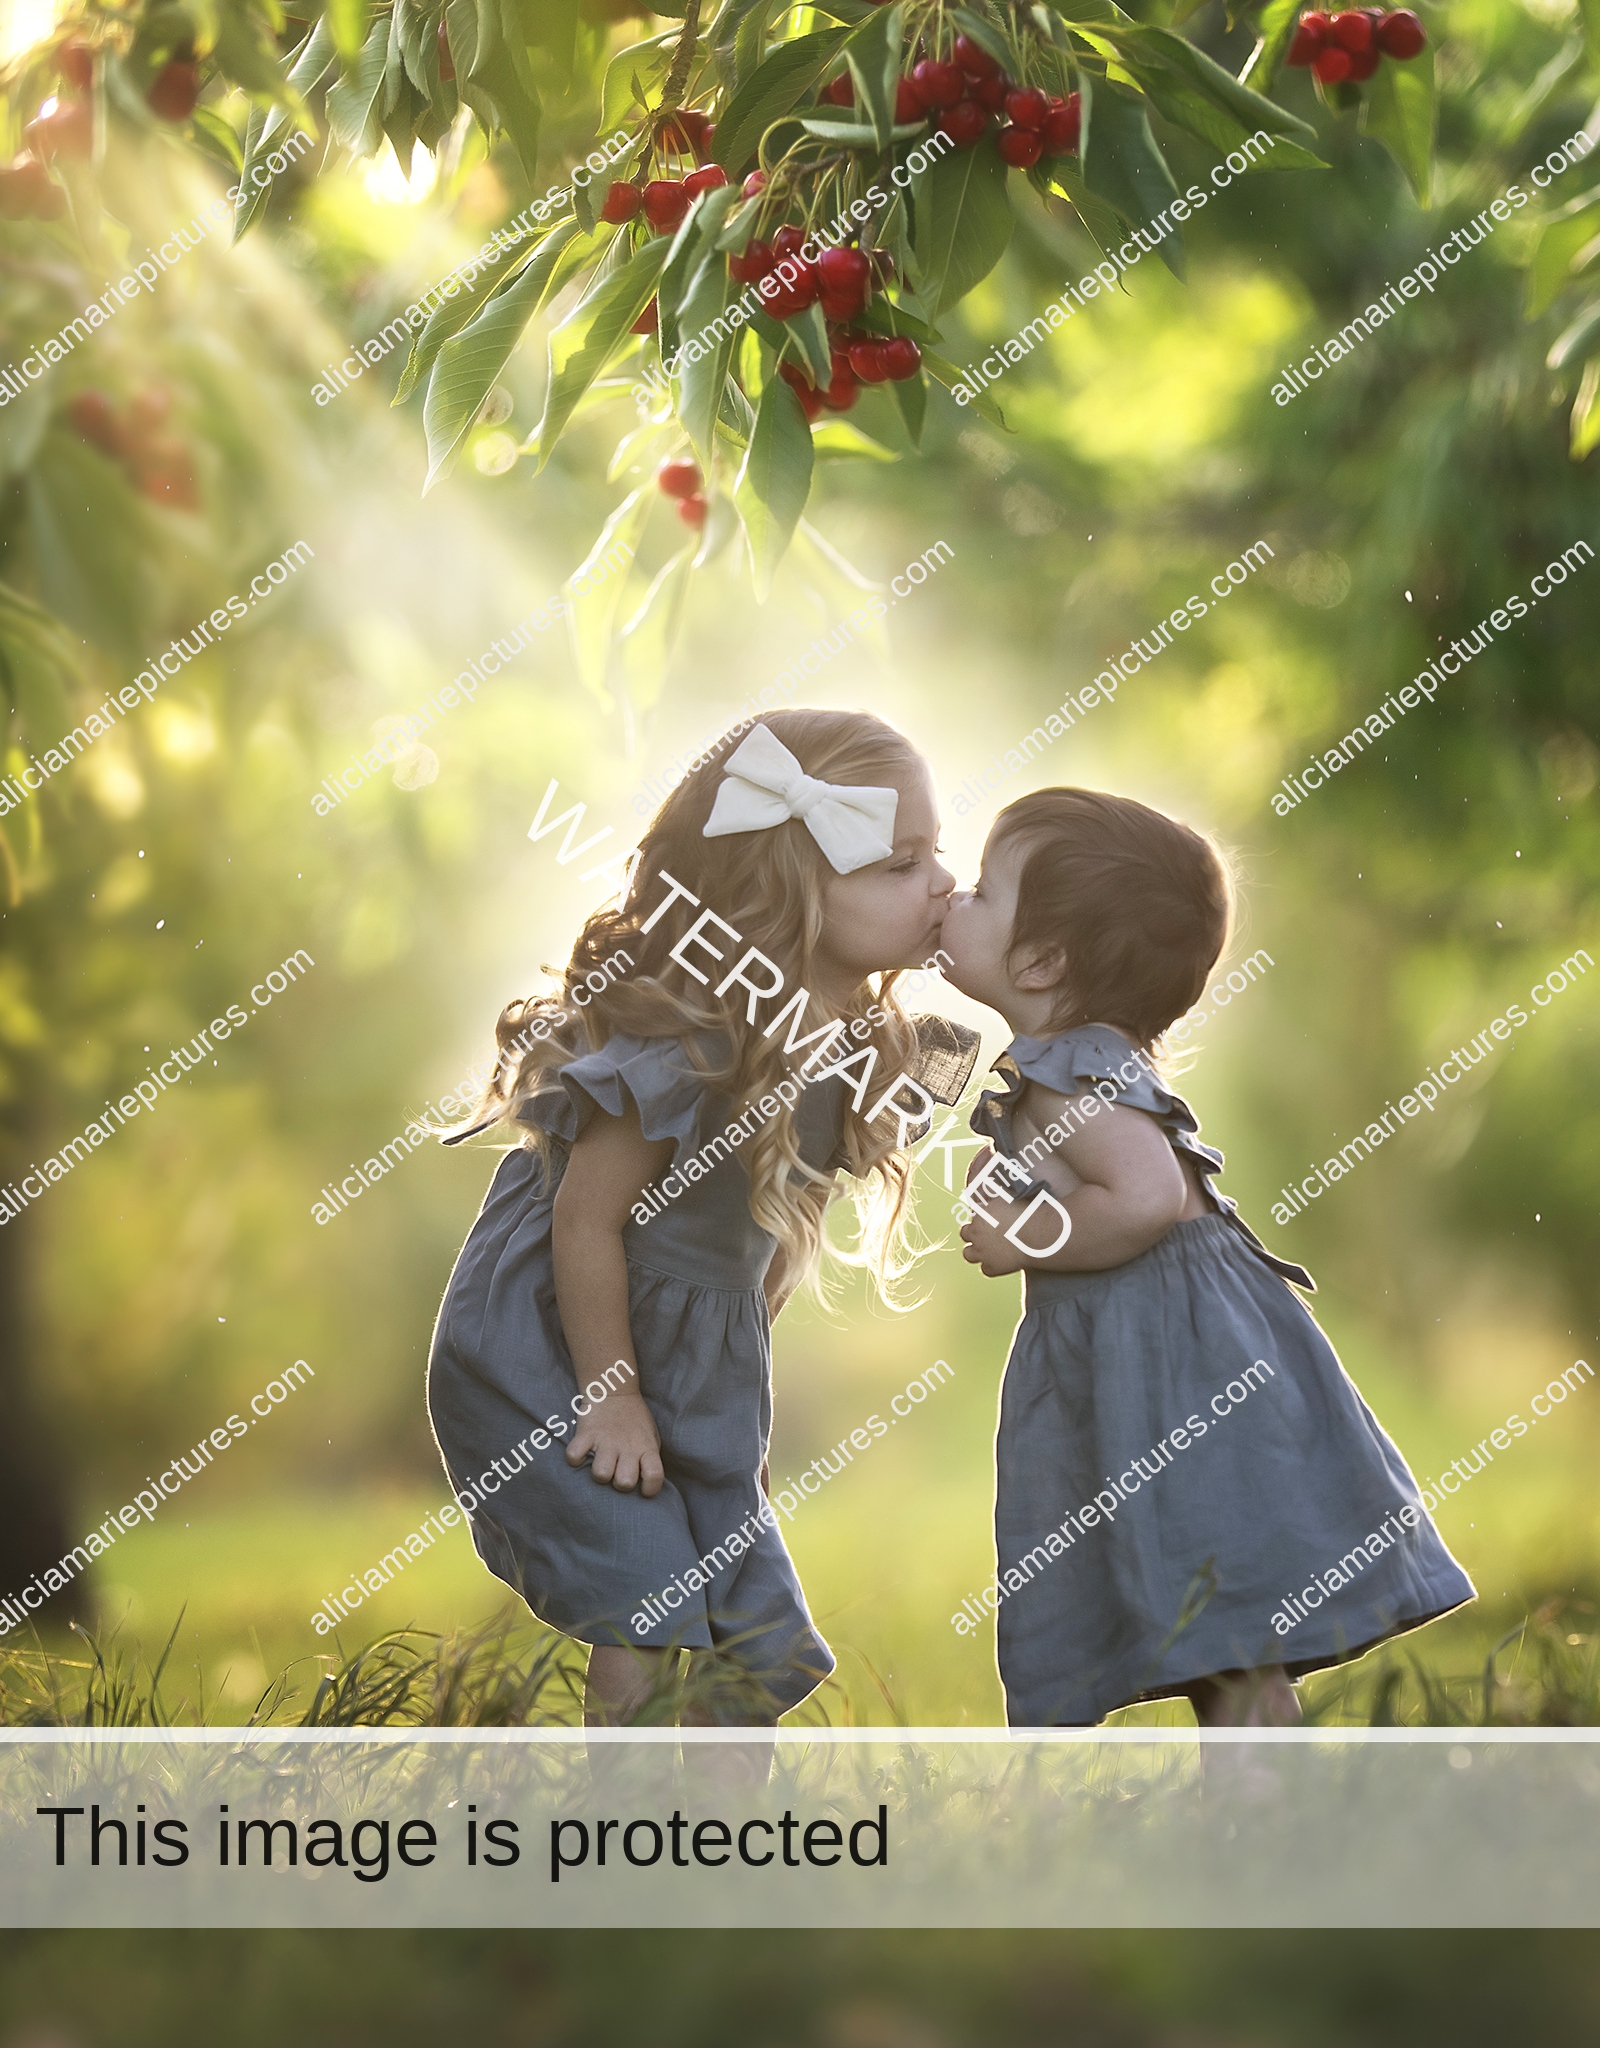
{"type": "Point", "coordinates": [682, 57]}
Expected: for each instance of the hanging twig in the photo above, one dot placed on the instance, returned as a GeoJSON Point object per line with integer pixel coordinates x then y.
{"type": "Point", "coordinates": [682, 56]}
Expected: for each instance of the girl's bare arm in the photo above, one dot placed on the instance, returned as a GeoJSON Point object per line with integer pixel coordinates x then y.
{"type": "Point", "coordinates": [1123, 1186]}
{"type": "Point", "coordinates": [611, 1162]}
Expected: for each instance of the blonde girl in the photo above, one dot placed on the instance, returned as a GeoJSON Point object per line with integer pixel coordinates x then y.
{"type": "Point", "coordinates": [600, 1378]}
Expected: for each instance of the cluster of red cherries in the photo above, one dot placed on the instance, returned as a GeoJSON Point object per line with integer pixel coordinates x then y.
{"type": "Point", "coordinates": [64, 127]}
{"type": "Point", "coordinates": [961, 94]}
{"type": "Point", "coordinates": [135, 436]}
{"type": "Point", "coordinates": [1349, 47]}
{"type": "Point", "coordinates": [679, 477]}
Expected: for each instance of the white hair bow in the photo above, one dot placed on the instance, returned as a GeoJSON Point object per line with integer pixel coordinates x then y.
{"type": "Point", "coordinates": [763, 784]}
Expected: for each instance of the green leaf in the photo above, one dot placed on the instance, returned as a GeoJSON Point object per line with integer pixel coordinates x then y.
{"type": "Point", "coordinates": [883, 316]}
{"type": "Point", "coordinates": [645, 645]}
{"type": "Point", "coordinates": [452, 314]}
{"type": "Point", "coordinates": [838, 437]}
{"type": "Point", "coordinates": [315, 54]}
{"type": "Point", "coordinates": [776, 87]}
{"type": "Point", "coordinates": [807, 340]}
{"type": "Point", "coordinates": [1400, 113]}
{"type": "Point", "coordinates": [774, 480]}
{"type": "Point", "coordinates": [1220, 87]}
{"type": "Point", "coordinates": [497, 83]}
{"type": "Point", "coordinates": [586, 340]}
{"type": "Point", "coordinates": [700, 383]}
{"type": "Point", "coordinates": [216, 139]}
{"type": "Point", "coordinates": [468, 363]}
{"type": "Point", "coordinates": [597, 586]}
{"type": "Point", "coordinates": [911, 396]}
{"type": "Point", "coordinates": [1586, 411]}
{"type": "Point", "coordinates": [246, 54]}
{"type": "Point", "coordinates": [873, 54]}
{"type": "Point", "coordinates": [39, 662]}
{"type": "Point", "coordinates": [1279, 20]}
{"type": "Point", "coordinates": [850, 134]}
{"type": "Point", "coordinates": [346, 24]}
{"type": "Point", "coordinates": [750, 41]}
{"type": "Point", "coordinates": [1123, 164]}
{"type": "Point", "coordinates": [949, 376]}
{"type": "Point", "coordinates": [964, 222]}
{"type": "Point", "coordinates": [355, 118]}
{"type": "Point", "coordinates": [1575, 341]}
{"type": "Point", "coordinates": [639, 69]}
{"type": "Point", "coordinates": [1561, 240]}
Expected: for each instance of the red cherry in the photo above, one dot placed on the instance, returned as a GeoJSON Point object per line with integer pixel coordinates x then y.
{"type": "Point", "coordinates": [1330, 66]}
{"type": "Point", "coordinates": [901, 358]}
{"type": "Point", "coordinates": [1027, 107]}
{"type": "Point", "coordinates": [649, 321]}
{"type": "Point", "coordinates": [937, 85]}
{"type": "Point", "coordinates": [974, 60]}
{"type": "Point", "coordinates": [990, 94]}
{"type": "Point", "coordinates": [842, 387]}
{"type": "Point", "coordinates": [447, 63]}
{"type": "Point", "coordinates": [1063, 125]}
{"type": "Point", "coordinates": [61, 128]}
{"type": "Point", "coordinates": [839, 92]}
{"type": "Point", "coordinates": [683, 129]}
{"type": "Point", "coordinates": [754, 264]}
{"type": "Point", "coordinates": [1364, 63]}
{"type": "Point", "coordinates": [843, 271]}
{"type": "Point", "coordinates": [28, 192]}
{"type": "Point", "coordinates": [1401, 35]}
{"type": "Point", "coordinates": [680, 477]}
{"type": "Point", "coordinates": [1351, 31]}
{"type": "Point", "coordinates": [665, 204]}
{"type": "Point", "coordinates": [94, 417]}
{"type": "Point", "coordinates": [75, 62]}
{"type": "Point", "coordinates": [965, 123]}
{"type": "Point", "coordinates": [703, 147]}
{"type": "Point", "coordinates": [705, 181]}
{"type": "Point", "coordinates": [1020, 147]}
{"type": "Point", "coordinates": [173, 91]}
{"type": "Point", "coordinates": [1311, 36]}
{"type": "Point", "coordinates": [623, 201]}
{"type": "Point", "coordinates": [166, 475]}
{"type": "Point", "coordinates": [692, 511]}
{"type": "Point", "coordinates": [756, 182]}
{"type": "Point", "coordinates": [883, 264]}
{"type": "Point", "coordinates": [788, 241]}
{"type": "Point", "coordinates": [867, 361]}
{"type": "Point", "coordinates": [907, 107]}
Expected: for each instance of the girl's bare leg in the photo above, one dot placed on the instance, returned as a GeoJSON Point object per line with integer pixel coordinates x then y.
{"type": "Point", "coordinates": [619, 1682]}
{"type": "Point", "coordinates": [710, 1768]}
{"type": "Point", "coordinates": [1264, 1698]}
{"type": "Point", "coordinates": [1244, 1775]}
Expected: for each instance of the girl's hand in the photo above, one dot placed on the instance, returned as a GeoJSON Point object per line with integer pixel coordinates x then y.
{"type": "Point", "coordinates": [985, 1242]}
{"type": "Point", "coordinates": [622, 1434]}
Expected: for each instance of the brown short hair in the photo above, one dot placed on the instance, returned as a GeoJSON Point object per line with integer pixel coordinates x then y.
{"type": "Point", "coordinates": [1139, 905]}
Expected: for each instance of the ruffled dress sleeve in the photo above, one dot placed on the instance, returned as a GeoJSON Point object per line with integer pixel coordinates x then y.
{"type": "Point", "coordinates": [655, 1074]}
{"type": "Point", "coordinates": [1101, 1061]}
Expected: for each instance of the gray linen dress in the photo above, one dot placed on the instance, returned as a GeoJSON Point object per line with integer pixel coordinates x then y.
{"type": "Point", "coordinates": [1180, 1573]}
{"type": "Point", "coordinates": [584, 1556]}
